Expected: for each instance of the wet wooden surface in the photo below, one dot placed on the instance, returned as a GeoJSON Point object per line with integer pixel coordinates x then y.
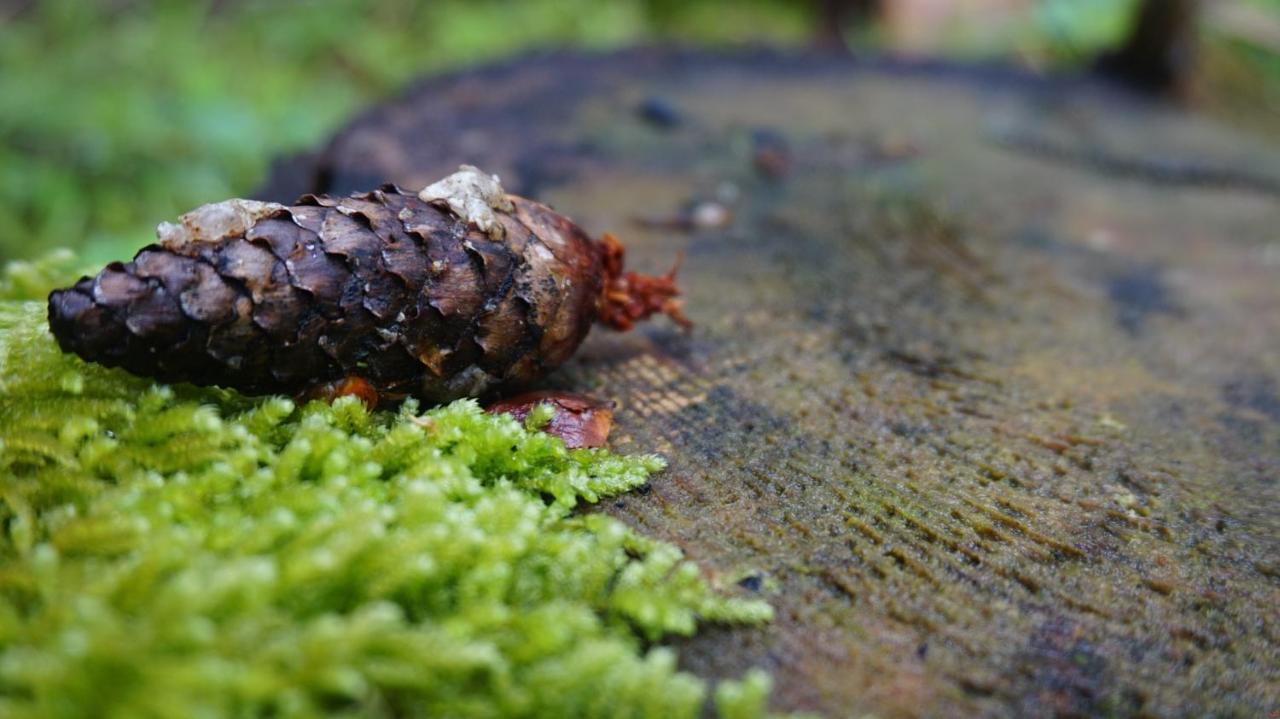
{"type": "Point", "coordinates": [984, 394]}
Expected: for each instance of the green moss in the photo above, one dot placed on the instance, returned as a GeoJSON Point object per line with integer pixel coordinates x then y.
{"type": "Point", "coordinates": [34, 279]}
{"type": "Point", "coordinates": [184, 552]}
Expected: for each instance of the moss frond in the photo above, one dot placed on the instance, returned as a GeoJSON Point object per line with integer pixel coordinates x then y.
{"type": "Point", "coordinates": [183, 552]}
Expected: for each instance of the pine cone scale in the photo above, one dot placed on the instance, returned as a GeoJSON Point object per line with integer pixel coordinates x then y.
{"type": "Point", "coordinates": [361, 249]}
{"type": "Point", "coordinates": [208, 299]}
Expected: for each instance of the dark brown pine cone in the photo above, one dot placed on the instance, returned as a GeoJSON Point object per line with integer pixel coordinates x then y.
{"type": "Point", "coordinates": [411, 295]}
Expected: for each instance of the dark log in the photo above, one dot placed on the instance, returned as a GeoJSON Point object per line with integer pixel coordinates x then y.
{"type": "Point", "coordinates": [984, 387]}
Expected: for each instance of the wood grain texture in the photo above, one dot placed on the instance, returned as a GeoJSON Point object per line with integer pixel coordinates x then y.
{"type": "Point", "coordinates": [984, 393]}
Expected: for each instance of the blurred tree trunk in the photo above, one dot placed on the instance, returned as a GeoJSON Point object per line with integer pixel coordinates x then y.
{"type": "Point", "coordinates": [836, 17]}
{"type": "Point", "coordinates": [1159, 54]}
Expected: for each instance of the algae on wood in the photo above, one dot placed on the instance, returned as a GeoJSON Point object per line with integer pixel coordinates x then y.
{"type": "Point", "coordinates": [984, 394]}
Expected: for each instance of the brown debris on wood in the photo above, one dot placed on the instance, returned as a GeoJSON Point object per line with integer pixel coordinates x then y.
{"type": "Point", "coordinates": [630, 297]}
{"type": "Point", "coordinates": [346, 387]}
{"type": "Point", "coordinates": [579, 420]}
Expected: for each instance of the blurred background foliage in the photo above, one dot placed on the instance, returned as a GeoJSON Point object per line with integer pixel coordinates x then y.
{"type": "Point", "coordinates": [117, 114]}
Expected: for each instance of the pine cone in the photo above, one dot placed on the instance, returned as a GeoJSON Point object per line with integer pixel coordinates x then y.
{"type": "Point", "coordinates": [405, 293]}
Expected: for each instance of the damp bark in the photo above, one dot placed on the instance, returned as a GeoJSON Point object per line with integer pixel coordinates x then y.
{"type": "Point", "coordinates": [981, 391]}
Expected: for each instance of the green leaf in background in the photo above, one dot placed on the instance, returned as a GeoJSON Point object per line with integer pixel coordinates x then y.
{"type": "Point", "coordinates": [114, 116]}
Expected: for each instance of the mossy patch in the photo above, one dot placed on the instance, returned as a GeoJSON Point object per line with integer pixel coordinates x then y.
{"type": "Point", "coordinates": [185, 552]}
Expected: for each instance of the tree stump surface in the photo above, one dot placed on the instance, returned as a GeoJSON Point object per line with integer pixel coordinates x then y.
{"type": "Point", "coordinates": [984, 392]}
